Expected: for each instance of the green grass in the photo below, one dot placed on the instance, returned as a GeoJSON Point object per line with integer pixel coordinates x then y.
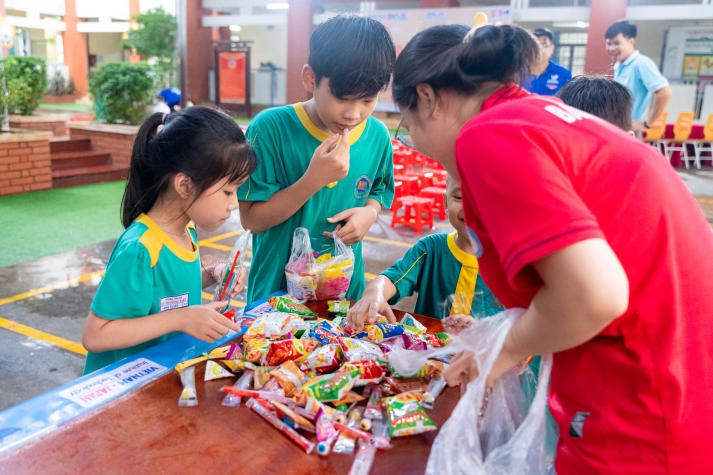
{"type": "Point", "coordinates": [68, 106]}
{"type": "Point", "coordinates": [43, 223]}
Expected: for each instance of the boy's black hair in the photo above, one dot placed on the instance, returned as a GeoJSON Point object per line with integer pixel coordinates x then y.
{"type": "Point", "coordinates": [627, 29]}
{"type": "Point", "coordinates": [599, 96]}
{"type": "Point", "coordinates": [538, 32]}
{"type": "Point", "coordinates": [355, 53]}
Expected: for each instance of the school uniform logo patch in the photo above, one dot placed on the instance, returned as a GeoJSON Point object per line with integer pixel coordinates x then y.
{"type": "Point", "coordinates": [362, 187]}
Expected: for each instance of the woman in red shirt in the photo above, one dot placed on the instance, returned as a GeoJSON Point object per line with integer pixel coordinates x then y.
{"type": "Point", "coordinates": [593, 233]}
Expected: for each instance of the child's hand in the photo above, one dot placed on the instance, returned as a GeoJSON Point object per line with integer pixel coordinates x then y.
{"type": "Point", "coordinates": [367, 310]}
{"type": "Point", "coordinates": [206, 323]}
{"type": "Point", "coordinates": [462, 369]}
{"type": "Point", "coordinates": [457, 323]}
{"type": "Point", "coordinates": [357, 222]}
{"type": "Point", "coordinates": [330, 161]}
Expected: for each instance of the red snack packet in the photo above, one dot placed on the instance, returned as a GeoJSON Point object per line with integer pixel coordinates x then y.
{"type": "Point", "coordinates": [284, 350]}
{"type": "Point", "coordinates": [370, 371]}
{"type": "Point", "coordinates": [323, 359]}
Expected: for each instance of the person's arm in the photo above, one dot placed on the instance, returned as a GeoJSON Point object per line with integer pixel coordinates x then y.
{"type": "Point", "coordinates": [200, 321]}
{"type": "Point", "coordinates": [330, 162]}
{"type": "Point", "coordinates": [373, 302]}
{"type": "Point", "coordinates": [584, 289]}
{"type": "Point", "coordinates": [661, 100]}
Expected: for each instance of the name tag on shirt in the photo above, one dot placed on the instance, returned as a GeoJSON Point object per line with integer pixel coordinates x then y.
{"type": "Point", "coordinates": [176, 301]}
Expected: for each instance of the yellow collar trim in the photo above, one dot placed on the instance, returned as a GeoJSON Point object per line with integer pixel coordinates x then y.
{"type": "Point", "coordinates": [463, 257]}
{"type": "Point", "coordinates": [320, 134]}
{"type": "Point", "coordinates": [155, 238]}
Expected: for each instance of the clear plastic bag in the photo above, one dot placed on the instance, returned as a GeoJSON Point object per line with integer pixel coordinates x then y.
{"type": "Point", "coordinates": [491, 431]}
{"type": "Point", "coordinates": [324, 276]}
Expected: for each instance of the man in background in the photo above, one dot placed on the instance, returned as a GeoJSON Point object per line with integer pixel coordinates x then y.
{"type": "Point", "coordinates": [554, 76]}
{"type": "Point", "coordinates": [639, 74]}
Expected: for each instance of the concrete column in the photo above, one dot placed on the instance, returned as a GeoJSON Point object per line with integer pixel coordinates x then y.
{"type": "Point", "coordinates": [75, 48]}
{"type": "Point", "coordinates": [299, 29]}
{"type": "Point", "coordinates": [199, 53]}
{"type": "Point", "coordinates": [133, 10]}
{"type": "Point", "coordinates": [602, 13]}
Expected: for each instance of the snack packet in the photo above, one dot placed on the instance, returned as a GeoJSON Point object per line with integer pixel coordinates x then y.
{"type": "Point", "coordinates": [323, 359]}
{"type": "Point", "coordinates": [289, 376]}
{"type": "Point", "coordinates": [406, 415]}
{"type": "Point", "coordinates": [330, 387]}
{"type": "Point", "coordinates": [275, 326]}
{"type": "Point", "coordinates": [289, 304]}
{"type": "Point", "coordinates": [292, 349]}
{"type": "Point", "coordinates": [355, 350]}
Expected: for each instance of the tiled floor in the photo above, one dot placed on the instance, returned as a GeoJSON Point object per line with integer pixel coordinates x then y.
{"type": "Point", "coordinates": [43, 303]}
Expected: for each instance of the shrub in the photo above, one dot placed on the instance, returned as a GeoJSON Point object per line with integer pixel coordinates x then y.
{"type": "Point", "coordinates": [26, 80]}
{"type": "Point", "coordinates": [122, 92]}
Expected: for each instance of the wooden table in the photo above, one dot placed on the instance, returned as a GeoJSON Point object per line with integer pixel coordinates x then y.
{"type": "Point", "coordinates": [146, 432]}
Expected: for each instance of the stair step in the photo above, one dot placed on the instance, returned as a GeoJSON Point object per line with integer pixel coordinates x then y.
{"type": "Point", "coordinates": [68, 177]}
{"type": "Point", "coordinates": [66, 144]}
{"type": "Point", "coordinates": [78, 159]}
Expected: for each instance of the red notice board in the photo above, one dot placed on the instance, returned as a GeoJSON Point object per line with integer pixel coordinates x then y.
{"type": "Point", "coordinates": [232, 78]}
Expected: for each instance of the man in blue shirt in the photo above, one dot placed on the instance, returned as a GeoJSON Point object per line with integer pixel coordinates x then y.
{"type": "Point", "coordinates": [639, 74]}
{"type": "Point", "coordinates": [554, 75]}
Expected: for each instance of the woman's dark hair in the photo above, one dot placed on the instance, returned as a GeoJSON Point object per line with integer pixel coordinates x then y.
{"type": "Point", "coordinates": [599, 96]}
{"type": "Point", "coordinates": [451, 57]}
{"type": "Point", "coordinates": [202, 142]}
{"type": "Point", "coordinates": [356, 54]}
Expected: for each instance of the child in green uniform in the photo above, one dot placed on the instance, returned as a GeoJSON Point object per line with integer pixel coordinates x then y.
{"type": "Point", "coordinates": [437, 266]}
{"type": "Point", "coordinates": [325, 164]}
{"type": "Point", "coordinates": [185, 169]}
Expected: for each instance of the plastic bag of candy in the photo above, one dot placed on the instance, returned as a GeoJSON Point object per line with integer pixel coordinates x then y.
{"type": "Point", "coordinates": [322, 276]}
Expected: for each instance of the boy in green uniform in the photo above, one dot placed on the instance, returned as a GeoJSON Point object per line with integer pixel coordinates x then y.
{"type": "Point", "coordinates": [438, 266]}
{"type": "Point", "coordinates": [324, 164]}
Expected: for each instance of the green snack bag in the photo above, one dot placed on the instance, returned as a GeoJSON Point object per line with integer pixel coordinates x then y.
{"type": "Point", "coordinates": [406, 415]}
{"type": "Point", "coordinates": [288, 304]}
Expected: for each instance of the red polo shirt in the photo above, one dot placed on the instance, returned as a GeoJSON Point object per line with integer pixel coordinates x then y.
{"type": "Point", "coordinates": [538, 176]}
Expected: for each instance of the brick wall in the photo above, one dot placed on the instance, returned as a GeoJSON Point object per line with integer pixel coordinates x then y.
{"type": "Point", "coordinates": [55, 123]}
{"type": "Point", "coordinates": [116, 140]}
{"type": "Point", "coordinates": [25, 162]}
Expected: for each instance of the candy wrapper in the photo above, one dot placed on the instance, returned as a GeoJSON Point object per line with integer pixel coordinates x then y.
{"type": "Point", "coordinates": [355, 350]}
{"type": "Point", "coordinates": [380, 331]}
{"type": "Point", "coordinates": [188, 396]}
{"type": "Point", "coordinates": [324, 277]}
{"type": "Point", "coordinates": [410, 321]}
{"type": "Point", "coordinates": [255, 350]}
{"type": "Point", "coordinates": [275, 326]}
{"type": "Point", "coordinates": [261, 376]}
{"type": "Point", "coordinates": [329, 387]}
{"type": "Point", "coordinates": [406, 415]}
{"type": "Point", "coordinates": [337, 307]}
{"type": "Point", "coordinates": [214, 370]}
{"type": "Point", "coordinates": [370, 371]}
{"type": "Point", "coordinates": [406, 341]}
{"type": "Point", "coordinates": [373, 405]}
{"type": "Point", "coordinates": [292, 349]}
{"type": "Point", "coordinates": [289, 376]}
{"type": "Point", "coordinates": [323, 359]}
{"type": "Point", "coordinates": [325, 332]}
{"type": "Point", "coordinates": [289, 304]}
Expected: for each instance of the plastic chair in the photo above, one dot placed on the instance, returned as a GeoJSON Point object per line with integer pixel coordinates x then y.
{"type": "Point", "coordinates": [436, 194]}
{"type": "Point", "coordinates": [681, 133]}
{"type": "Point", "coordinates": [655, 134]}
{"type": "Point", "coordinates": [417, 212]}
{"type": "Point", "coordinates": [700, 146]}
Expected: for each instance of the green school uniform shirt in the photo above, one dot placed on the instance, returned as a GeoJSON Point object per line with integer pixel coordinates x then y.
{"type": "Point", "coordinates": [284, 139]}
{"type": "Point", "coordinates": [147, 273]}
{"type": "Point", "coordinates": [436, 268]}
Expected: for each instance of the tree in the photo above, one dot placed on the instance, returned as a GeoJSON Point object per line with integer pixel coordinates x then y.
{"type": "Point", "coordinates": [155, 39]}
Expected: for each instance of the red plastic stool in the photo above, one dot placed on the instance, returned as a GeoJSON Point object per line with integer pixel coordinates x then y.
{"type": "Point", "coordinates": [436, 194]}
{"type": "Point", "coordinates": [410, 183]}
{"type": "Point", "coordinates": [417, 212]}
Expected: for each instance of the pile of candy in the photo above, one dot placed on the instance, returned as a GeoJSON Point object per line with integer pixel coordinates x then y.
{"type": "Point", "coordinates": [310, 375]}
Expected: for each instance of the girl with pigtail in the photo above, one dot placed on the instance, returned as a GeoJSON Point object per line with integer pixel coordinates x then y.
{"type": "Point", "coordinates": [185, 170]}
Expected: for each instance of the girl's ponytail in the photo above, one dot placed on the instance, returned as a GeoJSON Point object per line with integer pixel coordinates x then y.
{"type": "Point", "coordinates": [144, 183]}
